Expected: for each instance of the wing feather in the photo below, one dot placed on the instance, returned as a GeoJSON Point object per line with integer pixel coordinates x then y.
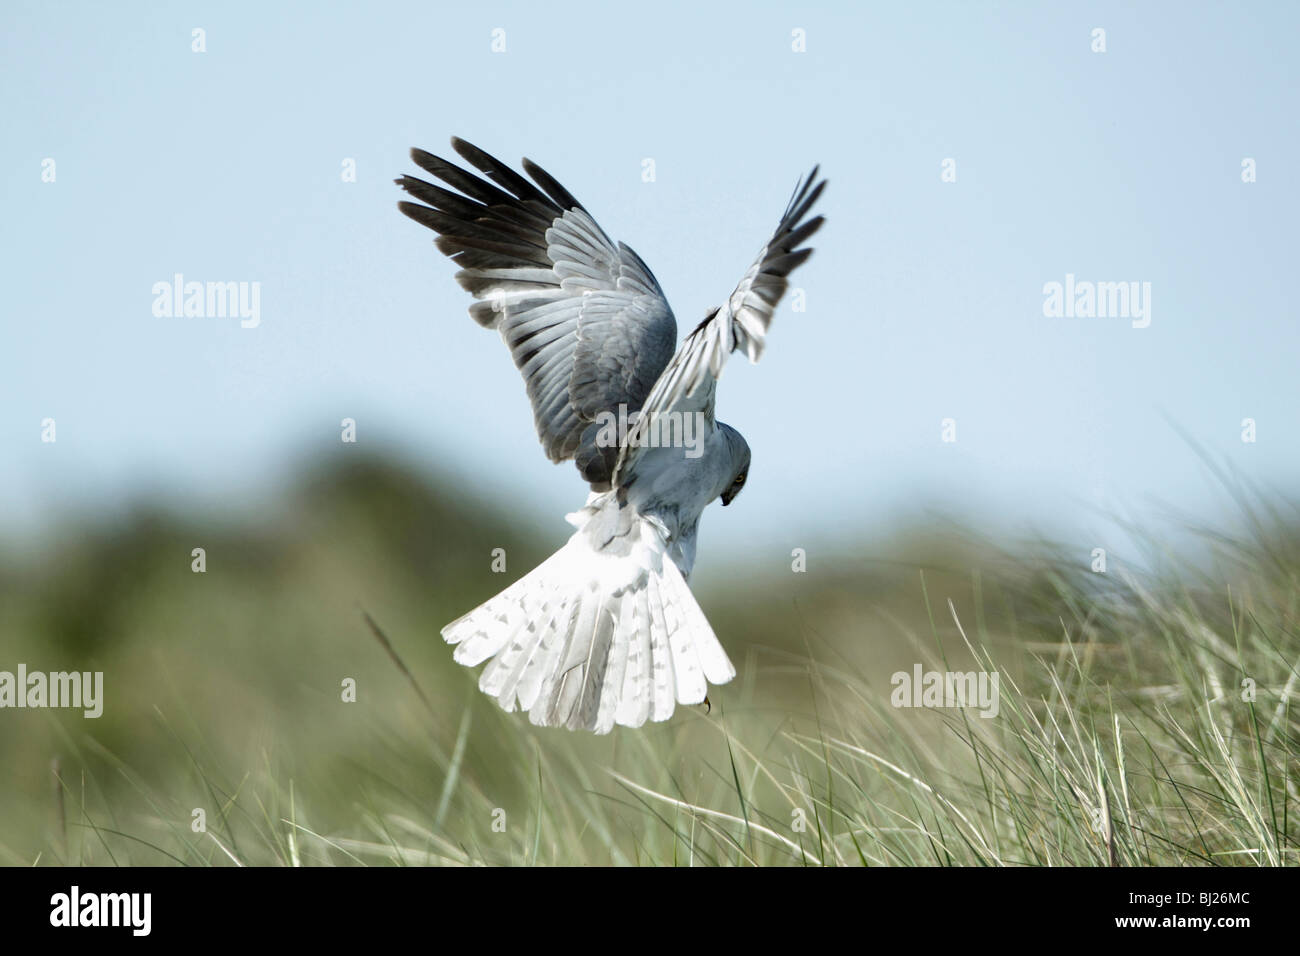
{"type": "Point", "coordinates": [531, 254]}
{"type": "Point", "coordinates": [689, 382]}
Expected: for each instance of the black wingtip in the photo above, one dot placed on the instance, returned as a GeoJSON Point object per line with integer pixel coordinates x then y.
{"type": "Point", "coordinates": [551, 186]}
{"type": "Point", "coordinates": [408, 183]}
{"type": "Point", "coordinates": [480, 159]}
{"type": "Point", "coordinates": [804, 195]}
{"type": "Point", "coordinates": [427, 160]}
{"type": "Point", "coordinates": [471, 153]}
{"type": "Point", "coordinates": [412, 210]}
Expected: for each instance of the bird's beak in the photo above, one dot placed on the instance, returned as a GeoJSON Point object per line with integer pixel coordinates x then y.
{"type": "Point", "coordinates": [726, 497]}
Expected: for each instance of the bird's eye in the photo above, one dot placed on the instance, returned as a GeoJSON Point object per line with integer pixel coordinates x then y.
{"type": "Point", "coordinates": [740, 479]}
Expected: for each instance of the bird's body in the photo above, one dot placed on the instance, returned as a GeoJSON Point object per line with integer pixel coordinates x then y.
{"type": "Point", "coordinates": [606, 630]}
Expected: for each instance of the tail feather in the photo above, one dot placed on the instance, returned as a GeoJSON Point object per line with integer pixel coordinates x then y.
{"type": "Point", "coordinates": [568, 686]}
{"type": "Point", "coordinates": [502, 667]}
{"type": "Point", "coordinates": [532, 639]}
{"type": "Point", "coordinates": [661, 660]}
{"type": "Point", "coordinates": [593, 621]}
{"type": "Point", "coordinates": [486, 628]}
{"type": "Point", "coordinates": [713, 659]}
{"type": "Point", "coordinates": [633, 707]}
{"type": "Point", "coordinates": [515, 613]}
{"type": "Point", "coordinates": [616, 668]}
{"type": "Point", "coordinates": [598, 634]}
{"type": "Point", "coordinates": [484, 631]}
{"type": "Point", "coordinates": [691, 685]}
{"type": "Point", "coordinates": [596, 665]}
{"type": "Point", "coordinates": [546, 650]}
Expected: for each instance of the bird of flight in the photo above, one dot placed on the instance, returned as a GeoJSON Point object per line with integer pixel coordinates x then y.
{"type": "Point", "coordinates": [606, 630]}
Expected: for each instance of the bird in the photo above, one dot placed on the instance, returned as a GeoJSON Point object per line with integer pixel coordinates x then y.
{"type": "Point", "coordinates": [606, 630]}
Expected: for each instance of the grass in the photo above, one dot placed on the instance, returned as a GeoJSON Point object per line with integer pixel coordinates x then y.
{"type": "Point", "coordinates": [1144, 720]}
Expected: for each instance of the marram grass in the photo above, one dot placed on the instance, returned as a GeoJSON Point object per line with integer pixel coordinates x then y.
{"type": "Point", "coordinates": [1149, 723]}
{"type": "Point", "coordinates": [1143, 717]}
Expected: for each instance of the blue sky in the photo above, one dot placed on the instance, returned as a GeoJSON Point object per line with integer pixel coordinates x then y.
{"type": "Point", "coordinates": [924, 299]}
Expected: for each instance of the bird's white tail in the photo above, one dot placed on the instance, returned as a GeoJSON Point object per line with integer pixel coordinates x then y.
{"type": "Point", "coordinates": [604, 631]}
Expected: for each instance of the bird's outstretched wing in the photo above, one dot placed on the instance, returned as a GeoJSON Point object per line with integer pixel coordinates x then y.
{"type": "Point", "coordinates": [584, 318]}
{"type": "Point", "coordinates": [689, 382]}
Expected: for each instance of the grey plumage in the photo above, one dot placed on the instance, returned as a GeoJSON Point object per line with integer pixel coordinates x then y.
{"type": "Point", "coordinates": [585, 320]}
{"type": "Point", "coordinates": [606, 630]}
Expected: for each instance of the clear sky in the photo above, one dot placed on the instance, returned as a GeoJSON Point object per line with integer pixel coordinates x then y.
{"type": "Point", "coordinates": [925, 299]}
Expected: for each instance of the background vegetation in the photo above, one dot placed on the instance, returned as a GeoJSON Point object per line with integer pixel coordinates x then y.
{"type": "Point", "coordinates": [1125, 736]}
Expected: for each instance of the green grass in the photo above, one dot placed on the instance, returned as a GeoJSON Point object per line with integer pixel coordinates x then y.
{"type": "Point", "coordinates": [1124, 736]}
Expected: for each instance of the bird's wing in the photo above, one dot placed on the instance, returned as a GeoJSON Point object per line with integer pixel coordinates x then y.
{"type": "Point", "coordinates": [584, 318]}
{"type": "Point", "coordinates": [689, 382]}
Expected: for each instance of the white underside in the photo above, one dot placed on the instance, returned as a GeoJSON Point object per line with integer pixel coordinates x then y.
{"type": "Point", "coordinates": [594, 636]}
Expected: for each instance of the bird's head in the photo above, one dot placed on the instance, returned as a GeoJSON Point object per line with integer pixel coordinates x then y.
{"type": "Point", "coordinates": [739, 463]}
